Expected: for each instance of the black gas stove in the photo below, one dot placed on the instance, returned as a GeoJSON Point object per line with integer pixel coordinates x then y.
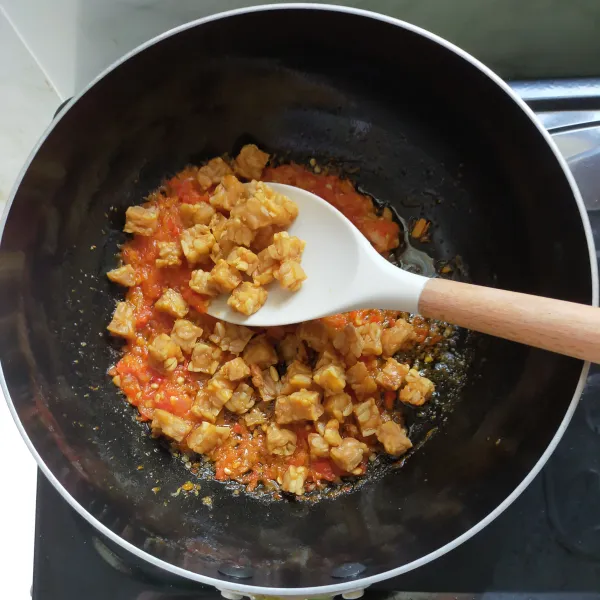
{"type": "Point", "coordinates": [545, 545]}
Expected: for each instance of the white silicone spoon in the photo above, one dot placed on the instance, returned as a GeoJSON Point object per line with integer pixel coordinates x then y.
{"type": "Point", "coordinates": [346, 273]}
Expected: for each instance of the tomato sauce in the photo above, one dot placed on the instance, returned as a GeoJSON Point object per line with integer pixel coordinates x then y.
{"type": "Point", "coordinates": [244, 456]}
{"type": "Point", "coordinates": [359, 208]}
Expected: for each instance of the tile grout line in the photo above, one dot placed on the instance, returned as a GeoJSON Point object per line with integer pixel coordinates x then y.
{"type": "Point", "coordinates": [47, 77]}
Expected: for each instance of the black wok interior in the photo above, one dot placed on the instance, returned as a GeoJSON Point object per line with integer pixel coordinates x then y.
{"type": "Point", "coordinates": [429, 133]}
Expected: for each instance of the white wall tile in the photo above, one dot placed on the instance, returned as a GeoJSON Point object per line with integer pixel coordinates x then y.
{"type": "Point", "coordinates": [27, 104]}
{"type": "Point", "coordinates": [75, 39]}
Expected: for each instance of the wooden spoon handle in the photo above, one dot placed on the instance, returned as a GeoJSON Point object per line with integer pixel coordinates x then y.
{"type": "Point", "coordinates": [563, 327]}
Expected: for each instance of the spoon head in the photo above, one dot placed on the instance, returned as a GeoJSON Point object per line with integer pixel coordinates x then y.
{"type": "Point", "coordinates": [333, 248]}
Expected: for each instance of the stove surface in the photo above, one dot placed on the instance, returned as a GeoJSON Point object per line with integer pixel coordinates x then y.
{"type": "Point", "coordinates": [545, 545]}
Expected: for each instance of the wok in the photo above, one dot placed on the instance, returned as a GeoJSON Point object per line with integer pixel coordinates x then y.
{"type": "Point", "coordinates": [424, 127]}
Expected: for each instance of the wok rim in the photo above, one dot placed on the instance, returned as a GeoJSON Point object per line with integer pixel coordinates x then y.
{"type": "Point", "coordinates": [359, 583]}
